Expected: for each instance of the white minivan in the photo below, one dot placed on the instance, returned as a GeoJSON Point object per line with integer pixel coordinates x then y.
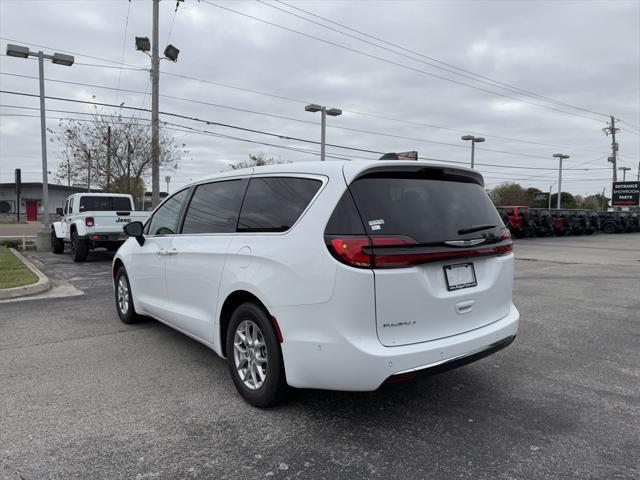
{"type": "Point", "coordinates": [331, 275]}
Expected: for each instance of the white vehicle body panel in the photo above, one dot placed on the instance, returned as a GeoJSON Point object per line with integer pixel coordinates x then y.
{"type": "Point", "coordinates": [331, 315]}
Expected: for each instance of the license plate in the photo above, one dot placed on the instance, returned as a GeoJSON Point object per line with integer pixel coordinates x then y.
{"type": "Point", "coordinates": [460, 275]}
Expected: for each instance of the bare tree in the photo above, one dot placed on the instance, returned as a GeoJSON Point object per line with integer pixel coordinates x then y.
{"type": "Point", "coordinates": [258, 160]}
{"type": "Point", "coordinates": [111, 152]}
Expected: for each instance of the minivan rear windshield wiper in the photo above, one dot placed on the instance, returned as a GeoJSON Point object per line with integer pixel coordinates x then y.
{"type": "Point", "coordinates": [474, 228]}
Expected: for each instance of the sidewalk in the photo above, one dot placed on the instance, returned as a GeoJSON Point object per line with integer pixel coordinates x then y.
{"type": "Point", "coordinates": [18, 229]}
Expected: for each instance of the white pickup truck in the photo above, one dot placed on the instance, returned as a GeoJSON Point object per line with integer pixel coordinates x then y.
{"type": "Point", "coordinates": [93, 220]}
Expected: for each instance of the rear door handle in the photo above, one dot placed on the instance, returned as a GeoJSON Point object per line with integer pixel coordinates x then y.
{"type": "Point", "coordinates": [162, 252]}
{"type": "Point", "coordinates": [173, 251]}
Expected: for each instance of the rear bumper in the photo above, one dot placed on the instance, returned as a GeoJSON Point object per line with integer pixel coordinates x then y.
{"type": "Point", "coordinates": [335, 362]}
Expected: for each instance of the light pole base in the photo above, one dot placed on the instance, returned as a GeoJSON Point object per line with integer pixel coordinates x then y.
{"type": "Point", "coordinates": [43, 240]}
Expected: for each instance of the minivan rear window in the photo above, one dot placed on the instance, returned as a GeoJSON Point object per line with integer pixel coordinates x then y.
{"type": "Point", "coordinates": [274, 204]}
{"type": "Point", "coordinates": [426, 210]}
{"type": "Point", "coordinates": [104, 204]}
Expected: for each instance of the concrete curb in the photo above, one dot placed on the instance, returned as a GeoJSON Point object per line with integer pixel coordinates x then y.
{"type": "Point", "coordinates": [43, 284]}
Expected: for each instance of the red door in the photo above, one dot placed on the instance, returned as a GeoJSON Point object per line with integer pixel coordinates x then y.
{"type": "Point", "coordinates": [32, 211]}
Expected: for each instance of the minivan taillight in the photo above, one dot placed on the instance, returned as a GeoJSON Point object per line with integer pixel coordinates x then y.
{"type": "Point", "coordinates": [360, 251]}
{"type": "Point", "coordinates": [88, 221]}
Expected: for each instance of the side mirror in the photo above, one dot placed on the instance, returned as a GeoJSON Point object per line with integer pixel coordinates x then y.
{"type": "Point", "coordinates": [59, 211]}
{"type": "Point", "coordinates": [134, 229]}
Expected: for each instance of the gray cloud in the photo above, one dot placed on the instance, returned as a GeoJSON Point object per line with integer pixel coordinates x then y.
{"type": "Point", "coordinates": [582, 53]}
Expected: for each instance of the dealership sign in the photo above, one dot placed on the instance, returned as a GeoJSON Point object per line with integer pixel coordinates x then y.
{"type": "Point", "coordinates": [625, 194]}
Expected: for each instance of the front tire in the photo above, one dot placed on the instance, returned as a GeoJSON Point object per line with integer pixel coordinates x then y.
{"type": "Point", "coordinates": [609, 228]}
{"type": "Point", "coordinates": [57, 244]}
{"type": "Point", "coordinates": [124, 298]}
{"type": "Point", "coordinates": [254, 357]}
{"type": "Point", "coordinates": [79, 249]}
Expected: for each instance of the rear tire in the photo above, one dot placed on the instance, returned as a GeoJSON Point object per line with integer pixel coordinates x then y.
{"type": "Point", "coordinates": [79, 249]}
{"type": "Point", "coordinates": [57, 244]}
{"type": "Point", "coordinates": [124, 298]}
{"type": "Point", "coordinates": [254, 357]}
{"type": "Point", "coordinates": [609, 228]}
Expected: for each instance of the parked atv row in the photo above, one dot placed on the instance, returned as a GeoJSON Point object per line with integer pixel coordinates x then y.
{"type": "Point", "coordinates": [541, 222]}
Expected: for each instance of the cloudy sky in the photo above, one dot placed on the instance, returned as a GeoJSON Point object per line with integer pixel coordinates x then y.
{"type": "Point", "coordinates": [562, 68]}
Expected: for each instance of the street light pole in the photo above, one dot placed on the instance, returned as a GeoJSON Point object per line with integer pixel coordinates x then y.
{"type": "Point", "coordinates": [61, 59]}
{"type": "Point", "coordinates": [624, 172]}
{"type": "Point", "coordinates": [561, 157]}
{"type": "Point", "coordinates": [474, 140]}
{"type": "Point", "coordinates": [43, 142]}
{"type": "Point", "coordinates": [324, 111]}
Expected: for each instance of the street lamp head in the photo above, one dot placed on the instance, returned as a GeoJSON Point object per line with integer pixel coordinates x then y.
{"type": "Point", "coordinates": [560, 155]}
{"type": "Point", "coordinates": [314, 107]}
{"type": "Point", "coordinates": [334, 112]}
{"type": "Point", "coordinates": [62, 59]}
{"type": "Point", "coordinates": [17, 51]}
{"type": "Point", "coordinates": [467, 137]}
{"type": "Point", "coordinates": [171, 53]}
{"type": "Point", "coordinates": [143, 44]}
{"type": "Point", "coordinates": [478, 139]}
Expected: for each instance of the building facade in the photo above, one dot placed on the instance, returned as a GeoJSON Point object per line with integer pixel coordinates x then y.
{"type": "Point", "coordinates": [31, 200]}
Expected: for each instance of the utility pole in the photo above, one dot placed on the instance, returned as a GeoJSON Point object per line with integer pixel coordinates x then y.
{"type": "Point", "coordinates": [109, 158]}
{"type": "Point", "coordinates": [129, 152]}
{"type": "Point", "coordinates": [88, 171]}
{"type": "Point", "coordinates": [560, 157]}
{"type": "Point", "coordinates": [550, 187]}
{"type": "Point", "coordinates": [611, 129]}
{"type": "Point", "coordinates": [155, 106]}
{"type": "Point", "coordinates": [639, 170]}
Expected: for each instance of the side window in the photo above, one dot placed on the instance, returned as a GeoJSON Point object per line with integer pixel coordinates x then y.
{"type": "Point", "coordinates": [274, 204]}
{"type": "Point", "coordinates": [214, 207]}
{"type": "Point", "coordinates": [165, 220]}
{"type": "Point", "coordinates": [71, 205]}
{"type": "Point", "coordinates": [66, 207]}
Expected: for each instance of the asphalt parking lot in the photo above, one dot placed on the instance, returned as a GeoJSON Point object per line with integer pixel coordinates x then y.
{"type": "Point", "coordinates": [84, 396]}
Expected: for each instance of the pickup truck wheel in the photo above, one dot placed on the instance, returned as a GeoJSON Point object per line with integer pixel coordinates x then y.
{"type": "Point", "coordinates": [254, 357]}
{"type": "Point", "coordinates": [79, 249]}
{"type": "Point", "coordinates": [609, 228]}
{"type": "Point", "coordinates": [124, 299]}
{"type": "Point", "coordinates": [57, 244]}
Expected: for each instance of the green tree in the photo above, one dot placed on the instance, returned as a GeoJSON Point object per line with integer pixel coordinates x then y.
{"type": "Point", "coordinates": [509, 193]}
{"type": "Point", "coordinates": [567, 200]}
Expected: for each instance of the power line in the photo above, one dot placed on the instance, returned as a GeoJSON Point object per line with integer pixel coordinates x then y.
{"type": "Point", "coordinates": [283, 117]}
{"type": "Point", "coordinates": [280, 136]}
{"type": "Point", "coordinates": [466, 73]}
{"type": "Point", "coordinates": [392, 62]}
{"type": "Point", "coordinates": [130, 67]}
{"type": "Point", "coordinates": [124, 43]}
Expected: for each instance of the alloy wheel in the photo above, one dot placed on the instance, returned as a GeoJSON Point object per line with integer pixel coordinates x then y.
{"type": "Point", "coordinates": [250, 354]}
{"type": "Point", "coordinates": [123, 295]}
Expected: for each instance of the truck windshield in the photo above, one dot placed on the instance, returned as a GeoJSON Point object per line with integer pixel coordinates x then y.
{"type": "Point", "coordinates": [104, 204]}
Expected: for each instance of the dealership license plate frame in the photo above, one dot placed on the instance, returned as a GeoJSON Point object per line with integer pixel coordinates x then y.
{"type": "Point", "coordinates": [465, 278]}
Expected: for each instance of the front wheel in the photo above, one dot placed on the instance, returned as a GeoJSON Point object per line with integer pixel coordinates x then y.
{"type": "Point", "coordinates": [57, 244]}
{"type": "Point", "coordinates": [609, 228]}
{"type": "Point", "coordinates": [254, 356]}
{"type": "Point", "coordinates": [124, 299]}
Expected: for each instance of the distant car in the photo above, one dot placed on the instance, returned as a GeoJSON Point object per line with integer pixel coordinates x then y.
{"type": "Point", "coordinates": [541, 222]}
{"type": "Point", "coordinates": [93, 220]}
{"type": "Point", "coordinates": [517, 219]}
{"type": "Point", "coordinates": [331, 275]}
{"type": "Point", "coordinates": [612, 222]}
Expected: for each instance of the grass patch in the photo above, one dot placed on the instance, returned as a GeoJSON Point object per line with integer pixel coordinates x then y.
{"type": "Point", "coordinates": [14, 273]}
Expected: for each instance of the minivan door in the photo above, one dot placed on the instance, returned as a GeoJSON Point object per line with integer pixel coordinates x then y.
{"type": "Point", "coordinates": [197, 256]}
{"type": "Point", "coordinates": [440, 253]}
{"type": "Point", "coordinates": [147, 263]}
